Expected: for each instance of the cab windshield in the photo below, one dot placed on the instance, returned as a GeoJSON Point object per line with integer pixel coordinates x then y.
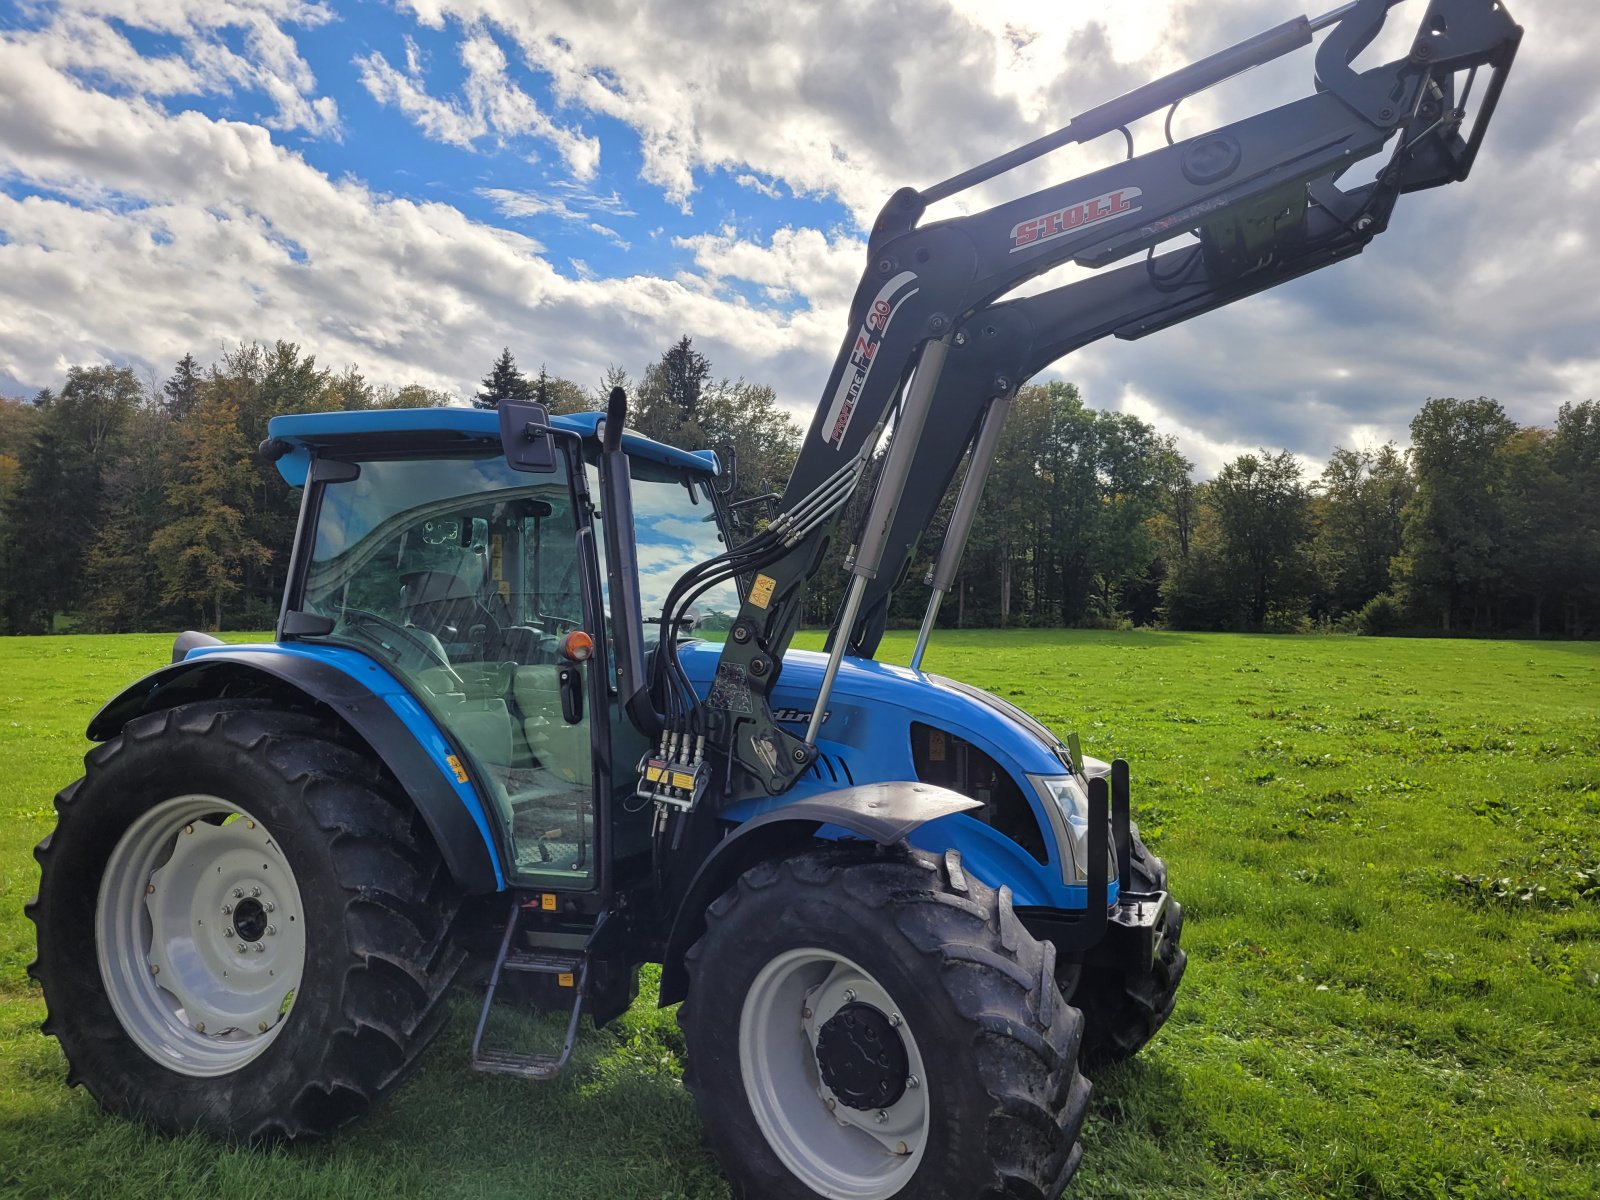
{"type": "Point", "coordinates": [676, 527]}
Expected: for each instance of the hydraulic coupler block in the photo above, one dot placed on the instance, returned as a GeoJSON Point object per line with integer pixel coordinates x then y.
{"type": "Point", "coordinates": [675, 776]}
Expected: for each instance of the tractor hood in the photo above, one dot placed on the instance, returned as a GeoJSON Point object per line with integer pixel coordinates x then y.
{"type": "Point", "coordinates": [873, 704]}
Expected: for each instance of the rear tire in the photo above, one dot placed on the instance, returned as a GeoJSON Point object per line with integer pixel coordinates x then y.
{"type": "Point", "coordinates": [975, 1013]}
{"type": "Point", "coordinates": [1123, 1010]}
{"type": "Point", "coordinates": [336, 890]}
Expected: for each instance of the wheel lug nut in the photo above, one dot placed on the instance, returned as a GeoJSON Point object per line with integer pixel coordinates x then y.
{"type": "Point", "coordinates": [238, 893]}
{"type": "Point", "coordinates": [913, 1082]}
{"type": "Point", "coordinates": [882, 1116]}
{"type": "Point", "coordinates": [269, 906]}
{"type": "Point", "coordinates": [272, 929]}
{"type": "Point", "coordinates": [242, 947]}
{"type": "Point", "coordinates": [849, 995]}
{"type": "Point", "coordinates": [260, 949]}
{"type": "Point", "coordinates": [227, 933]}
{"type": "Point", "coordinates": [226, 909]}
{"type": "Point", "coordinates": [255, 891]}
{"type": "Point", "coordinates": [894, 1018]}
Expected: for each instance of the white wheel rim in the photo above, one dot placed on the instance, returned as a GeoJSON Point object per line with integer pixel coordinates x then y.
{"type": "Point", "coordinates": [835, 1150]}
{"type": "Point", "coordinates": [188, 884]}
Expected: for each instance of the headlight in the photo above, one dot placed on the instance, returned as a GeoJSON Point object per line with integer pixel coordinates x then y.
{"type": "Point", "coordinates": [1068, 807]}
{"type": "Point", "coordinates": [1064, 792]}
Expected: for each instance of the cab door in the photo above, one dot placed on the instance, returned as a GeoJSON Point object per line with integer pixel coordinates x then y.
{"type": "Point", "coordinates": [464, 578]}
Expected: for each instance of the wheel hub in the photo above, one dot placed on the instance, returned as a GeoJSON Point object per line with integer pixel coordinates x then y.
{"type": "Point", "coordinates": [250, 919]}
{"type": "Point", "coordinates": [816, 1097]}
{"type": "Point", "coordinates": [862, 1058]}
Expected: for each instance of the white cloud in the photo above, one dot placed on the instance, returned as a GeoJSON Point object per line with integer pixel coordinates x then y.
{"type": "Point", "coordinates": [769, 190]}
{"type": "Point", "coordinates": [491, 102]}
{"type": "Point", "coordinates": [610, 234]}
{"type": "Point", "coordinates": [438, 119]}
{"type": "Point", "coordinates": [816, 99]}
{"type": "Point", "coordinates": [84, 40]}
{"type": "Point", "coordinates": [512, 203]}
{"type": "Point", "coordinates": [823, 269]}
{"type": "Point", "coordinates": [569, 203]}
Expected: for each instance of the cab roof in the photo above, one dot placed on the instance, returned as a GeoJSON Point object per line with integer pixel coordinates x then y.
{"type": "Point", "coordinates": [419, 427]}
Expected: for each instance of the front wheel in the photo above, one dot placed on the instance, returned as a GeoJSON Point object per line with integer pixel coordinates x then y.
{"type": "Point", "coordinates": [880, 1027]}
{"type": "Point", "coordinates": [242, 928]}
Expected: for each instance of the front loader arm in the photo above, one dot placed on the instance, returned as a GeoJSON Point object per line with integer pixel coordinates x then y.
{"type": "Point", "coordinates": [1262, 194]}
{"type": "Point", "coordinates": [1003, 345]}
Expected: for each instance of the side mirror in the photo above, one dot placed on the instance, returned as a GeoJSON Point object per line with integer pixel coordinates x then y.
{"type": "Point", "coordinates": [525, 436]}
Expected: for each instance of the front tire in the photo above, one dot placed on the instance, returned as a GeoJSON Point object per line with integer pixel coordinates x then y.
{"type": "Point", "coordinates": [242, 926]}
{"type": "Point", "coordinates": [822, 978]}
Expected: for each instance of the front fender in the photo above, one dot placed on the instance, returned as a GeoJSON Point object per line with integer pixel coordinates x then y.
{"type": "Point", "coordinates": [375, 705]}
{"type": "Point", "coordinates": [884, 813]}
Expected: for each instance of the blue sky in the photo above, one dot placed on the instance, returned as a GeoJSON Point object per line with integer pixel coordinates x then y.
{"type": "Point", "coordinates": [410, 186]}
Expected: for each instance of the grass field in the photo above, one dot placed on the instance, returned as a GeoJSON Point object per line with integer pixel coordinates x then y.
{"type": "Point", "coordinates": [1389, 853]}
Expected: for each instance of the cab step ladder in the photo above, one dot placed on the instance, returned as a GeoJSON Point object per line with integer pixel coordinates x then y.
{"type": "Point", "coordinates": [570, 967]}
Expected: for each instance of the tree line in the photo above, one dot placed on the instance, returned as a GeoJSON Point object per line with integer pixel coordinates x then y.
{"type": "Point", "coordinates": [132, 505]}
{"type": "Point", "coordinates": [129, 505]}
{"type": "Point", "coordinates": [1480, 526]}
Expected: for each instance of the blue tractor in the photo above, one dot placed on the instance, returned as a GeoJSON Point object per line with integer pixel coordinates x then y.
{"type": "Point", "coordinates": [898, 911]}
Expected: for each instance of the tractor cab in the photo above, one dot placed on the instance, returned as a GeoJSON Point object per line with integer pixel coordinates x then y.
{"type": "Point", "coordinates": [479, 587]}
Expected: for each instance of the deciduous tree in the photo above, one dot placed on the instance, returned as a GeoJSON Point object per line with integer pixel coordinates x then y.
{"type": "Point", "coordinates": [1360, 519]}
{"type": "Point", "coordinates": [1454, 549]}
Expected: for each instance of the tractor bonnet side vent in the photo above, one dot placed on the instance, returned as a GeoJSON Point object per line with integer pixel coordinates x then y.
{"type": "Point", "coordinates": [832, 769]}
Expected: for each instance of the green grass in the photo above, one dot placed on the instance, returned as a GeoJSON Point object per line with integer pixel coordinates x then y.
{"type": "Point", "coordinates": [1389, 853]}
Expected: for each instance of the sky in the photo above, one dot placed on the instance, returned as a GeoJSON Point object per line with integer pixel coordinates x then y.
{"type": "Point", "coordinates": [408, 186]}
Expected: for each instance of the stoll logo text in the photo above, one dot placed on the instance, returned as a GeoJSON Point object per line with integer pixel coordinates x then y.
{"type": "Point", "coordinates": [1074, 217]}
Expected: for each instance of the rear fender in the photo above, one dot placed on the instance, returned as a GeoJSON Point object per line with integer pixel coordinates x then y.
{"type": "Point", "coordinates": [376, 707]}
{"type": "Point", "coordinates": [881, 813]}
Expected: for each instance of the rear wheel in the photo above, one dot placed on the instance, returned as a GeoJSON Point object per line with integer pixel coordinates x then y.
{"type": "Point", "coordinates": [242, 927]}
{"type": "Point", "coordinates": [1123, 1010]}
{"type": "Point", "coordinates": [880, 1027]}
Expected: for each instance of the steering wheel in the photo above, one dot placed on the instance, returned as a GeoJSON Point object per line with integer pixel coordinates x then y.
{"type": "Point", "coordinates": [429, 649]}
